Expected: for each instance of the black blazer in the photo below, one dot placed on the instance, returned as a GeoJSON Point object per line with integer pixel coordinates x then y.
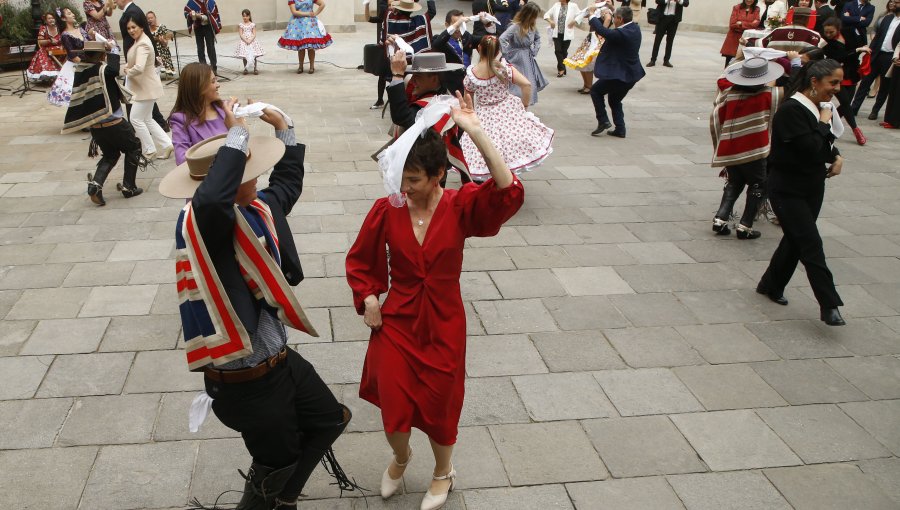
{"type": "Point", "coordinates": [127, 40]}
{"type": "Point", "coordinates": [468, 42]}
{"type": "Point", "coordinates": [679, 9]}
{"type": "Point", "coordinates": [881, 33]}
{"type": "Point", "coordinates": [801, 149]}
{"type": "Point", "coordinates": [213, 210]}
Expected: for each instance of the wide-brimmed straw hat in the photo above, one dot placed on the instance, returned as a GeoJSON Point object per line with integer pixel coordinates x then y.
{"type": "Point", "coordinates": [754, 71]}
{"type": "Point", "coordinates": [406, 5]}
{"type": "Point", "coordinates": [431, 63]}
{"type": "Point", "coordinates": [183, 181]}
{"type": "Point", "coordinates": [95, 47]}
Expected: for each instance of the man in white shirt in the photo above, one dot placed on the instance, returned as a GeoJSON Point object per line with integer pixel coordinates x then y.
{"type": "Point", "coordinates": [670, 16]}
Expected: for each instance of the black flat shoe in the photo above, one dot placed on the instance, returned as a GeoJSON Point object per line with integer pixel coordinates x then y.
{"type": "Point", "coordinates": [601, 128]}
{"type": "Point", "coordinates": [720, 227]}
{"type": "Point", "coordinates": [873, 116]}
{"type": "Point", "coordinates": [668, 64]}
{"type": "Point", "coordinates": [778, 300]}
{"type": "Point", "coordinates": [651, 63]}
{"type": "Point", "coordinates": [832, 317]}
{"type": "Point", "coordinates": [616, 133]}
{"type": "Point", "coordinates": [747, 233]}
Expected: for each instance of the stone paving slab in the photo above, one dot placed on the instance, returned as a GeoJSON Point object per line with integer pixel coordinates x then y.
{"type": "Point", "coordinates": [617, 357]}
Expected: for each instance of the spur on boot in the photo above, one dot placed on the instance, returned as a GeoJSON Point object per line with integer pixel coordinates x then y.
{"type": "Point", "coordinates": [129, 192]}
{"type": "Point", "coordinates": [832, 317]}
{"type": "Point", "coordinates": [435, 501]}
{"type": "Point", "coordinates": [390, 486]}
{"type": "Point", "coordinates": [747, 232]}
{"type": "Point", "coordinates": [95, 191]}
{"type": "Point", "coordinates": [720, 227]}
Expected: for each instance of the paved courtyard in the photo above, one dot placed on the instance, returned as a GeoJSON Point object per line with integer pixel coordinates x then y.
{"type": "Point", "coordinates": [618, 356]}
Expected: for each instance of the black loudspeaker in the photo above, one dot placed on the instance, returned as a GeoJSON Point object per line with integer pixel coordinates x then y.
{"type": "Point", "coordinates": [374, 60]}
{"type": "Point", "coordinates": [36, 15]}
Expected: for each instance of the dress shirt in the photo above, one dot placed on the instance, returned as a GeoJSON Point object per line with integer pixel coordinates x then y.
{"type": "Point", "coordinates": [886, 45]}
{"type": "Point", "coordinates": [670, 7]}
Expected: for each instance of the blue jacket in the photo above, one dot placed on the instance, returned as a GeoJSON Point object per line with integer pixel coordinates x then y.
{"type": "Point", "coordinates": [619, 59]}
{"type": "Point", "coordinates": [850, 18]}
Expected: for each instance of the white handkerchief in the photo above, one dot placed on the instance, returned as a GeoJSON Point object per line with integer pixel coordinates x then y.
{"type": "Point", "coordinates": [403, 45]}
{"type": "Point", "coordinates": [100, 38]}
{"type": "Point", "coordinates": [199, 411]}
{"type": "Point", "coordinates": [487, 17]}
{"type": "Point", "coordinates": [256, 110]}
{"type": "Point", "coordinates": [766, 53]}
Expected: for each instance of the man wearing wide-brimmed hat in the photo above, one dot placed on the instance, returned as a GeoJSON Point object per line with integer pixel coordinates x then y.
{"type": "Point", "coordinates": [739, 124]}
{"type": "Point", "coordinates": [426, 84]}
{"type": "Point", "coordinates": [98, 102]}
{"type": "Point", "coordinates": [235, 265]}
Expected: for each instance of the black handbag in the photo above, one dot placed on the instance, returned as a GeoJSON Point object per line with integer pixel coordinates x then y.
{"type": "Point", "coordinates": [652, 15]}
{"type": "Point", "coordinates": [374, 60]}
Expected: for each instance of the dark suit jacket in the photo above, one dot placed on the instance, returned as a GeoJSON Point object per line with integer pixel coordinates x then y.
{"type": "Point", "coordinates": [127, 40]}
{"type": "Point", "coordinates": [679, 9]}
{"type": "Point", "coordinates": [881, 33]}
{"type": "Point", "coordinates": [454, 80]}
{"type": "Point", "coordinates": [213, 210]}
{"type": "Point", "coordinates": [855, 29]}
{"type": "Point", "coordinates": [620, 61]}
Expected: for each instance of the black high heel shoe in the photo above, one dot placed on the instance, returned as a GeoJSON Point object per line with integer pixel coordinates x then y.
{"type": "Point", "coordinates": [832, 317]}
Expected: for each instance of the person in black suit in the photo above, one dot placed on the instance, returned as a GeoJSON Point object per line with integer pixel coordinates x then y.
{"type": "Point", "coordinates": [670, 16]}
{"type": "Point", "coordinates": [457, 45]}
{"type": "Point", "coordinates": [887, 36]}
{"type": "Point", "coordinates": [617, 68]}
{"type": "Point", "coordinates": [823, 12]}
{"type": "Point", "coordinates": [479, 6]}
{"type": "Point", "coordinates": [803, 157]}
{"type": "Point", "coordinates": [856, 16]}
{"type": "Point", "coordinates": [505, 11]}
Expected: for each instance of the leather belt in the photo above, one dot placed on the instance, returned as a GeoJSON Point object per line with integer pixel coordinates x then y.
{"type": "Point", "coordinates": [107, 124]}
{"type": "Point", "coordinates": [245, 374]}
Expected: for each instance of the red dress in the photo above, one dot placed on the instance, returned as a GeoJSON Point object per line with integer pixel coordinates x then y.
{"type": "Point", "coordinates": [42, 66]}
{"type": "Point", "coordinates": [415, 365]}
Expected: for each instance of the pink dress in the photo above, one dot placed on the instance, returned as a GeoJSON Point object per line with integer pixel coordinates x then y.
{"type": "Point", "coordinates": [248, 51]}
{"type": "Point", "coordinates": [520, 137]}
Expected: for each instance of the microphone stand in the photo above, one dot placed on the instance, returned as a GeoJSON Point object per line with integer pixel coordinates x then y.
{"type": "Point", "coordinates": [26, 85]}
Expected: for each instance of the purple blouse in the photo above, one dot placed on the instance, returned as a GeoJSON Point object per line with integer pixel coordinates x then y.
{"type": "Point", "coordinates": [184, 136]}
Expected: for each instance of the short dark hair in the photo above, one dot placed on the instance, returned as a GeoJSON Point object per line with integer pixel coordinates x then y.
{"type": "Point", "coordinates": [834, 22]}
{"type": "Point", "coordinates": [625, 13]}
{"type": "Point", "coordinates": [452, 13]}
{"type": "Point", "coordinates": [428, 153]}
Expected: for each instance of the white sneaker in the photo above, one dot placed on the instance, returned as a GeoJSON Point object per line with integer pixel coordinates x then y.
{"type": "Point", "coordinates": [436, 501]}
{"type": "Point", "coordinates": [390, 486]}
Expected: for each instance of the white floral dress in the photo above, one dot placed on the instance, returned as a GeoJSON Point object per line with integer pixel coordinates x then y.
{"type": "Point", "coordinates": [518, 134]}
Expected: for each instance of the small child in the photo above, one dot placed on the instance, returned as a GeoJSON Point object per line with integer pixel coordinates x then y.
{"type": "Point", "coordinates": [248, 48]}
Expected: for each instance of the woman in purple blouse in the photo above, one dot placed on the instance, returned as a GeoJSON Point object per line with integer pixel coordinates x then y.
{"type": "Point", "coordinates": [198, 113]}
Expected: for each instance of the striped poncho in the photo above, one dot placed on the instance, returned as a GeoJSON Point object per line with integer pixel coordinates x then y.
{"type": "Point", "coordinates": [207, 8]}
{"type": "Point", "coordinates": [415, 30]}
{"type": "Point", "coordinates": [213, 332]}
{"type": "Point", "coordinates": [739, 124]}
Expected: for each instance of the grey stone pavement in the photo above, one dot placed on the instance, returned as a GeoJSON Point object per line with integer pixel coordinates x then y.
{"type": "Point", "coordinates": [618, 356]}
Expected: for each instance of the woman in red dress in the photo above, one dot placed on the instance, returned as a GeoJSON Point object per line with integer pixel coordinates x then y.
{"type": "Point", "coordinates": [43, 67]}
{"type": "Point", "coordinates": [415, 365]}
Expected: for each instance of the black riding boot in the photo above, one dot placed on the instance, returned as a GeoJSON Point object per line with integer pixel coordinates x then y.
{"type": "Point", "coordinates": [262, 484]}
{"type": "Point", "coordinates": [755, 198]}
{"type": "Point", "coordinates": [96, 180]}
{"type": "Point", "coordinates": [730, 194]}
{"type": "Point", "coordinates": [129, 186]}
{"type": "Point", "coordinates": [317, 444]}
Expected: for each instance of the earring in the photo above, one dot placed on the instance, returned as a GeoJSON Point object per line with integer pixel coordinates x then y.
{"type": "Point", "coordinates": [814, 92]}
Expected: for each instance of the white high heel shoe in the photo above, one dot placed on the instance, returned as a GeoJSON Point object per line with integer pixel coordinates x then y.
{"type": "Point", "coordinates": [389, 486]}
{"type": "Point", "coordinates": [436, 501]}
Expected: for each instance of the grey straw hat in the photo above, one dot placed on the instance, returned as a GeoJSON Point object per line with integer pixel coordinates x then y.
{"type": "Point", "coordinates": [754, 71]}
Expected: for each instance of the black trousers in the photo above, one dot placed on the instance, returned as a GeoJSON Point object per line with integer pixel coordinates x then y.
{"type": "Point", "coordinates": [115, 141]}
{"type": "Point", "coordinates": [561, 50]}
{"type": "Point", "coordinates": [753, 176]}
{"type": "Point", "coordinates": [797, 215]}
{"type": "Point", "coordinates": [287, 416]}
{"type": "Point", "coordinates": [616, 91]}
{"type": "Point", "coordinates": [205, 36]}
{"type": "Point", "coordinates": [880, 66]}
{"type": "Point", "coordinates": [666, 26]}
{"type": "Point", "coordinates": [845, 108]}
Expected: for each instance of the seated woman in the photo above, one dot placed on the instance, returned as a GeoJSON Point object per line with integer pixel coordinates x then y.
{"type": "Point", "coordinates": [198, 113]}
{"type": "Point", "coordinates": [415, 364]}
{"type": "Point", "coordinates": [43, 67]}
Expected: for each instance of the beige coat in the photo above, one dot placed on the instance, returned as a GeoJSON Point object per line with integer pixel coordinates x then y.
{"type": "Point", "coordinates": [142, 79]}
